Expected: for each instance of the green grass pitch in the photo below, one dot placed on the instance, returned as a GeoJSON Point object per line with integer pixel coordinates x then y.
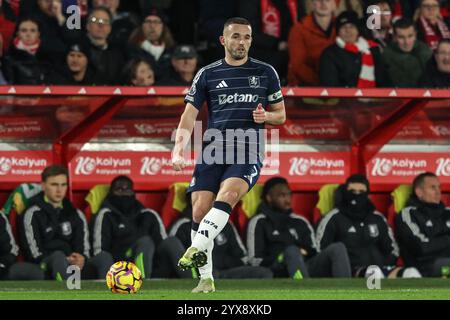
{"type": "Point", "coordinates": [273, 289]}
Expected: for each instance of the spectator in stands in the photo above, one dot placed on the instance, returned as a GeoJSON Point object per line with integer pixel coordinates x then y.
{"type": "Point", "coordinates": [430, 25]}
{"type": "Point", "coordinates": [307, 39]}
{"type": "Point", "coordinates": [406, 57]}
{"type": "Point", "coordinates": [123, 23]}
{"type": "Point", "coordinates": [230, 255]}
{"type": "Point", "coordinates": [423, 228]}
{"type": "Point", "coordinates": [285, 242]}
{"type": "Point", "coordinates": [2, 77]}
{"type": "Point", "coordinates": [271, 22]}
{"type": "Point", "coordinates": [383, 33]}
{"type": "Point", "coordinates": [184, 66]}
{"type": "Point", "coordinates": [78, 69]}
{"type": "Point", "coordinates": [127, 230]}
{"type": "Point", "coordinates": [352, 61]}
{"type": "Point", "coordinates": [55, 235]}
{"type": "Point", "coordinates": [106, 58]}
{"type": "Point", "coordinates": [212, 15]}
{"type": "Point", "coordinates": [138, 72]}
{"type": "Point", "coordinates": [7, 25]}
{"type": "Point", "coordinates": [350, 5]}
{"type": "Point", "coordinates": [363, 230]}
{"type": "Point", "coordinates": [24, 64]}
{"type": "Point", "coordinates": [153, 41]}
{"type": "Point", "coordinates": [437, 72]}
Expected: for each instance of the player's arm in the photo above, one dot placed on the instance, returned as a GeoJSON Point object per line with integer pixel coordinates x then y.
{"type": "Point", "coordinates": [182, 135]}
{"type": "Point", "coordinates": [275, 116]}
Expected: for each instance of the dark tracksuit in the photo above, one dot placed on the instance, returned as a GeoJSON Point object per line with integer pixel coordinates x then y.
{"type": "Point", "coordinates": [48, 235]}
{"type": "Point", "coordinates": [369, 240]}
{"type": "Point", "coordinates": [274, 239]}
{"type": "Point", "coordinates": [138, 233]}
{"type": "Point", "coordinates": [8, 247]}
{"type": "Point", "coordinates": [230, 258]}
{"type": "Point", "coordinates": [423, 232]}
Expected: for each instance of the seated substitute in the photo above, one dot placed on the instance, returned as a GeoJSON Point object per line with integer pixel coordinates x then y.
{"type": "Point", "coordinates": [230, 259]}
{"type": "Point", "coordinates": [55, 235]}
{"type": "Point", "coordinates": [127, 230]}
{"type": "Point", "coordinates": [363, 230]}
{"type": "Point", "coordinates": [423, 228]}
{"type": "Point", "coordinates": [285, 242]}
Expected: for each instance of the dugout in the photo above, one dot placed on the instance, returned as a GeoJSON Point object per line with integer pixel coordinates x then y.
{"type": "Point", "coordinates": [99, 132]}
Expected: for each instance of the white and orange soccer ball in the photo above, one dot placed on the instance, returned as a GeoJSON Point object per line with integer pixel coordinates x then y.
{"type": "Point", "coordinates": [124, 277]}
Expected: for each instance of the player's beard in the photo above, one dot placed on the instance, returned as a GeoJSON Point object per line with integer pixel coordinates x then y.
{"type": "Point", "coordinates": [237, 54]}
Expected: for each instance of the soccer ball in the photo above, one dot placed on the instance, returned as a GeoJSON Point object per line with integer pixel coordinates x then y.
{"type": "Point", "coordinates": [124, 277]}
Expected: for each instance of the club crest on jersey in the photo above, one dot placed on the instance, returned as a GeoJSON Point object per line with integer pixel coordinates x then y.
{"type": "Point", "coordinates": [253, 82]}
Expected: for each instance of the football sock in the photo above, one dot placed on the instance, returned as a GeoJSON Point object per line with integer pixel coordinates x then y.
{"type": "Point", "coordinates": [211, 225]}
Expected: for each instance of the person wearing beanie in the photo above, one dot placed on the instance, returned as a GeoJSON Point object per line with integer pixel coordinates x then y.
{"type": "Point", "coordinates": [284, 241]}
{"type": "Point", "coordinates": [78, 69]}
{"type": "Point", "coordinates": [423, 228]}
{"type": "Point", "coordinates": [352, 61]}
{"type": "Point", "coordinates": [364, 231]}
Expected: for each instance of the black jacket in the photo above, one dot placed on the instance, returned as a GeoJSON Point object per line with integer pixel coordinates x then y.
{"type": "Point", "coordinates": [369, 240]}
{"type": "Point", "coordinates": [8, 247]}
{"type": "Point", "coordinates": [270, 232]}
{"type": "Point", "coordinates": [340, 68]}
{"type": "Point", "coordinates": [44, 229]}
{"type": "Point", "coordinates": [108, 62]}
{"type": "Point", "coordinates": [116, 232]}
{"type": "Point", "coordinates": [423, 232]}
{"type": "Point", "coordinates": [229, 250]}
{"type": "Point", "coordinates": [21, 67]}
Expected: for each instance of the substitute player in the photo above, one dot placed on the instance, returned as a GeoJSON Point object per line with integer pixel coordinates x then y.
{"type": "Point", "coordinates": [236, 89]}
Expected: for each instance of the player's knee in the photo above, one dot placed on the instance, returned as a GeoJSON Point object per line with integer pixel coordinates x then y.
{"type": "Point", "coordinates": [291, 251]}
{"type": "Point", "coordinates": [231, 197]}
{"type": "Point", "coordinates": [337, 249]}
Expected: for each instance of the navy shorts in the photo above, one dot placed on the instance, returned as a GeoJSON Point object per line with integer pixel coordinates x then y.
{"type": "Point", "coordinates": [208, 177]}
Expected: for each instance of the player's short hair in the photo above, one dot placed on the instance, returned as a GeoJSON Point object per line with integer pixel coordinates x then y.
{"type": "Point", "coordinates": [236, 20]}
{"type": "Point", "coordinates": [403, 23]}
{"type": "Point", "coordinates": [54, 170]}
{"type": "Point", "coordinates": [420, 179]}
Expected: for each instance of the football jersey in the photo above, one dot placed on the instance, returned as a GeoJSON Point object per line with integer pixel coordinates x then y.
{"type": "Point", "coordinates": [232, 93]}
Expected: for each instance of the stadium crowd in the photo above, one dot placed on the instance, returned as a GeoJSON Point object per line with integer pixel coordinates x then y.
{"type": "Point", "coordinates": [142, 43]}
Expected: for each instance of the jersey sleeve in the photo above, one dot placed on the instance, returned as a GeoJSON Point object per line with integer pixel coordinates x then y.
{"type": "Point", "coordinates": [274, 88]}
{"type": "Point", "coordinates": [197, 93]}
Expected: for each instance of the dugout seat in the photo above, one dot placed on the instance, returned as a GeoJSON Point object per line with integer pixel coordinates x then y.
{"type": "Point", "coordinates": [400, 196]}
{"type": "Point", "coordinates": [175, 203]}
{"type": "Point", "coordinates": [16, 204]}
{"type": "Point", "coordinates": [325, 203]}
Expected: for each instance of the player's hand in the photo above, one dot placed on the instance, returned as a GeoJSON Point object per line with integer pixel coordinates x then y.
{"type": "Point", "coordinates": [178, 161]}
{"type": "Point", "coordinates": [259, 114]}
